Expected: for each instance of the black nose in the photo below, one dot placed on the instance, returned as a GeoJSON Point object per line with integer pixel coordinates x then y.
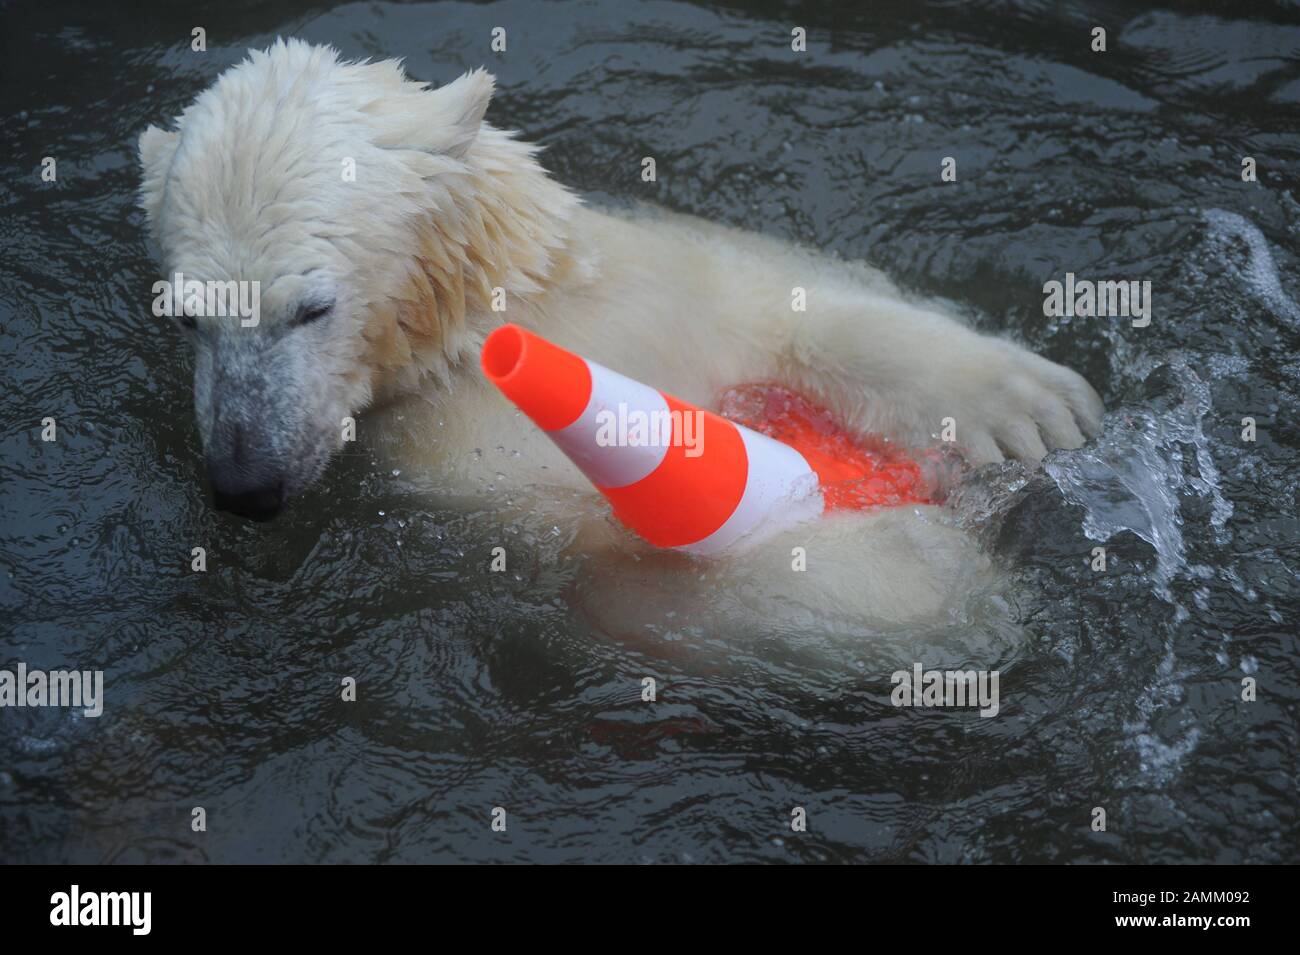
{"type": "Point", "coordinates": [235, 489]}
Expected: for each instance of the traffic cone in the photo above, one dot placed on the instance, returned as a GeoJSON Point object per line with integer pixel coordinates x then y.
{"type": "Point", "coordinates": [677, 475]}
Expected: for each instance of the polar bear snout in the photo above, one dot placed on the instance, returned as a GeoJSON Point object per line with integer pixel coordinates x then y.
{"type": "Point", "coordinates": [263, 401]}
{"type": "Point", "coordinates": [247, 496]}
{"type": "Point", "coordinates": [244, 481]}
{"type": "Point", "coordinates": [255, 468]}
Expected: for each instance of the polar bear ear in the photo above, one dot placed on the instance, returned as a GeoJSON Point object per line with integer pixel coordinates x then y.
{"type": "Point", "coordinates": [407, 115]}
{"type": "Point", "coordinates": [157, 147]}
{"type": "Point", "coordinates": [455, 112]}
{"type": "Point", "coordinates": [442, 121]}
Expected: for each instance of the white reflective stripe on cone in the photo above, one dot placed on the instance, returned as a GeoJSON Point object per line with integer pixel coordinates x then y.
{"type": "Point", "coordinates": [614, 465]}
{"type": "Point", "coordinates": [781, 490]}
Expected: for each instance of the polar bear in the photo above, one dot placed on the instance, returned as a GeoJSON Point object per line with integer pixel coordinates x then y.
{"type": "Point", "coordinates": [381, 218]}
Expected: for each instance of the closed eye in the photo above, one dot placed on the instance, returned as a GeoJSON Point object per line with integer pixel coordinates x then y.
{"type": "Point", "coordinates": [312, 312]}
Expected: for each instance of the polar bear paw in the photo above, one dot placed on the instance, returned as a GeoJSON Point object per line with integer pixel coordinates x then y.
{"type": "Point", "coordinates": [1000, 401]}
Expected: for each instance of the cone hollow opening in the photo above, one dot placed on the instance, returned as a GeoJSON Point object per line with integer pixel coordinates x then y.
{"type": "Point", "coordinates": [503, 353]}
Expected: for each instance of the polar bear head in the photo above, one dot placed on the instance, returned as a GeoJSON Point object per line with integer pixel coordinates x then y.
{"type": "Point", "coordinates": [363, 220]}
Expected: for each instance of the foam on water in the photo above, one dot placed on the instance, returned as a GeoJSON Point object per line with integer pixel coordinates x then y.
{"type": "Point", "coordinates": [1257, 271]}
{"type": "Point", "coordinates": [1160, 759]}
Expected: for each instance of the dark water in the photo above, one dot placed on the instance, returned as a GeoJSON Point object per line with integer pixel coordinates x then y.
{"type": "Point", "coordinates": [222, 688]}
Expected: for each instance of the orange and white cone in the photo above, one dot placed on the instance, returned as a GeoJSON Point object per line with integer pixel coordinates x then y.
{"type": "Point", "coordinates": [677, 475]}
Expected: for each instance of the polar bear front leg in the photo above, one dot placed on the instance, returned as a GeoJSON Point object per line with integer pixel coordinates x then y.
{"type": "Point", "coordinates": [898, 369]}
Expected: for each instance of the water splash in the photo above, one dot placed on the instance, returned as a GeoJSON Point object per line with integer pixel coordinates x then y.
{"type": "Point", "coordinates": [1134, 477]}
